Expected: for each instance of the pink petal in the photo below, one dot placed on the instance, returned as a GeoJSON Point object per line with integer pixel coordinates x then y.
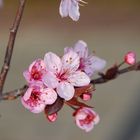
{"type": "Point", "coordinates": [67, 49]}
{"type": "Point", "coordinates": [27, 94]}
{"type": "Point", "coordinates": [34, 109]}
{"type": "Point", "coordinates": [53, 62]}
{"type": "Point", "coordinates": [89, 127]}
{"type": "Point", "coordinates": [25, 104]}
{"type": "Point", "coordinates": [71, 61]}
{"type": "Point", "coordinates": [65, 90]}
{"type": "Point", "coordinates": [38, 109]}
{"type": "Point", "coordinates": [49, 96]}
{"type": "Point", "coordinates": [94, 64]}
{"type": "Point", "coordinates": [27, 76]}
{"type": "Point", "coordinates": [50, 80]}
{"type": "Point", "coordinates": [97, 119]}
{"type": "Point", "coordinates": [74, 10]}
{"type": "Point", "coordinates": [38, 63]}
{"type": "Point", "coordinates": [81, 49]}
{"type": "Point", "coordinates": [63, 8]}
{"type": "Point", "coordinates": [79, 79]}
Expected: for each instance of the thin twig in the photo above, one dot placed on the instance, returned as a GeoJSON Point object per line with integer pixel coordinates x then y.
{"type": "Point", "coordinates": [103, 78]}
{"type": "Point", "coordinates": [10, 46]}
{"type": "Point", "coordinates": [11, 95]}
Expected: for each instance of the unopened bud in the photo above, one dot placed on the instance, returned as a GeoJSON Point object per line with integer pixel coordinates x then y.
{"type": "Point", "coordinates": [86, 96]}
{"type": "Point", "coordinates": [52, 117]}
{"type": "Point", "coordinates": [130, 58]}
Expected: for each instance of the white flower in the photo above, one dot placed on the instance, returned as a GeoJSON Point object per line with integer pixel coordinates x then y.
{"type": "Point", "coordinates": [63, 74]}
{"type": "Point", "coordinates": [70, 8]}
{"type": "Point", "coordinates": [88, 63]}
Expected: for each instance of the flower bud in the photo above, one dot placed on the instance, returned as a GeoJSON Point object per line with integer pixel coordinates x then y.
{"type": "Point", "coordinates": [52, 117]}
{"type": "Point", "coordinates": [130, 58]}
{"type": "Point", "coordinates": [86, 96]}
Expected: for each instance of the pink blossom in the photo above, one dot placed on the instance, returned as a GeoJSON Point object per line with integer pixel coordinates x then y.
{"type": "Point", "coordinates": [35, 72]}
{"type": "Point", "coordinates": [52, 117]}
{"type": "Point", "coordinates": [88, 63]}
{"type": "Point", "coordinates": [63, 74]}
{"type": "Point", "coordinates": [37, 97]}
{"type": "Point", "coordinates": [70, 8]}
{"type": "Point", "coordinates": [86, 118]}
{"type": "Point", "coordinates": [130, 58]}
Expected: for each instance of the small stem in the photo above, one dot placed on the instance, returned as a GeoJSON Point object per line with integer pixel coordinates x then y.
{"type": "Point", "coordinates": [72, 107]}
{"type": "Point", "coordinates": [102, 79]}
{"type": "Point", "coordinates": [122, 63]}
{"type": "Point", "coordinates": [10, 46]}
{"type": "Point", "coordinates": [11, 95]}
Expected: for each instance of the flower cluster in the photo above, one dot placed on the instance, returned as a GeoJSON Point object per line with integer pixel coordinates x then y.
{"type": "Point", "coordinates": [55, 80]}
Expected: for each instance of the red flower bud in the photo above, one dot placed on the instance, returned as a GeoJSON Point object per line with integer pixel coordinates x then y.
{"type": "Point", "coordinates": [52, 117]}
{"type": "Point", "coordinates": [130, 58]}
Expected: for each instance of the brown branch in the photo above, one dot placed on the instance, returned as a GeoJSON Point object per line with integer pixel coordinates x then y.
{"type": "Point", "coordinates": [10, 46]}
{"type": "Point", "coordinates": [14, 94]}
{"type": "Point", "coordinates": [11, 95]}
{"type": "Point", "coordinates": [104, 77]}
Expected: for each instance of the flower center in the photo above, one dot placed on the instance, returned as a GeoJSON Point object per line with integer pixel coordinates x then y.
{"type": "Point", "coordinates": [63, 76]}
{"type": "Point", "coordinates": [82, 64]}
{"type": "Point", "coordinates": [89, 118]}
{"type": "Point", "coordinates": [34, 98]}
{"type": "Point", "coordinates": [35, 74]}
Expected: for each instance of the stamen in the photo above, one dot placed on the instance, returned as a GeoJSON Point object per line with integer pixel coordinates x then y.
{"type": "Point", "coordinates": [81, 2]}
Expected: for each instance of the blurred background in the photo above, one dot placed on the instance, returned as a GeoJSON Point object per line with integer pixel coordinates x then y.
{"type": "Point", "coordinates": [111, 28]}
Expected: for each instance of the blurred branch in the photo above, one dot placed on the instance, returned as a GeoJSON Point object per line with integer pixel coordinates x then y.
{"type": "Point", "coordinates": [114, 72]}
{"type": "Point", "coordinates": [11, 95]}
{"type": "Point", "coordinates": [14, 94]}
{"type": "Point", "coordinates": [10, 46]}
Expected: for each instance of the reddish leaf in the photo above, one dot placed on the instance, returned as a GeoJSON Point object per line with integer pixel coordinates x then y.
{"type": "Point", "coordinates": [85, 89]}
{"type": "Point", "coordinates": [74, 102]}
{"type": "Point", "coordinates": [55, 107]}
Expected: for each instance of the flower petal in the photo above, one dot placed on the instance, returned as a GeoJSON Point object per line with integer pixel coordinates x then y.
{"type": "Point", "coordinates": [74, 10]}
{"type": "Point", "coordinates": [65, 90]}
{"type": "Point", "coordinates": [81, 49]}
{"type": "Point", "coordinates": [70, 61]}
{"type": "Point", "coordinates": [94, 64]}
{"type": "Point", "coordinates": [27, 76]}
{"type": "Point", "coordinates": [89, 127]}
{"type": "Point", "coordinates": [50, 80]}
{"type": "Point", "coordinates": [27, 94]}
{"type": "Point", "coordinates": [49, 96]}
{"type": "Point", "coordinates": [34, 109]}
{"type": "Point", "coordinates": [38, 109]}
{"type": "Point", "coordinates": [63, 8]}
{"type": "Point", "coordinates": [53, 62]}
{"type": "Point", "coordinates": [79, 79]}
{"type": "Point", "coordinates": [68, 49]}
